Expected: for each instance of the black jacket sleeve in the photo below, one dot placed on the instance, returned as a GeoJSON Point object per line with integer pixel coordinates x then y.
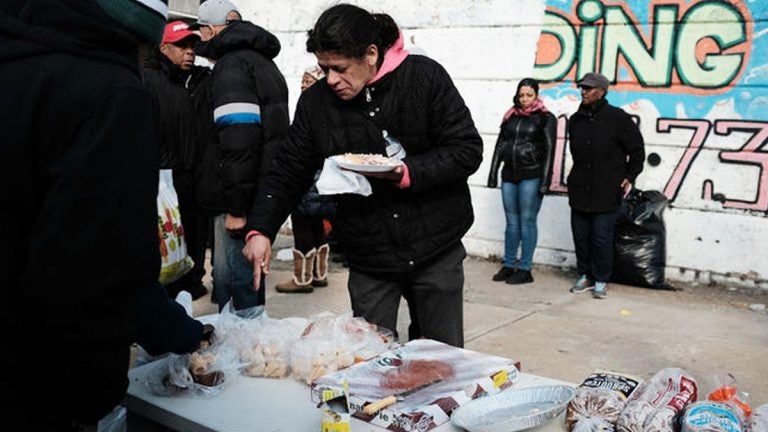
{"type": "Point", "coordinates": [550, 135]}
{"type": "Point", "coordinates": [634, 146]}
{"type": "Point", "coordinates": [493, 174]}
{"type": "Point", "coordinates": [162, 325]}
{"type": "Point", "coordinates": [457, 149]}
{"type": "Point", "coordinates": [237, 114]}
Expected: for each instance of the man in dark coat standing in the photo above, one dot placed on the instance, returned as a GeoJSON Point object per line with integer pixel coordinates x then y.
{"type": "Point", "coordinates": [182, 93]}
{"type": "Point", "coordinates": [78, 163]}
{"type": "Point", "coordinates": [608, 154]}
{"type": "Point", "coordinates": [250, 99]}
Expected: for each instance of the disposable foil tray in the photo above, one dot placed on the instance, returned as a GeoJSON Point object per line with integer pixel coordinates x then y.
{"type": "Point", "coordinates": [514, 409]}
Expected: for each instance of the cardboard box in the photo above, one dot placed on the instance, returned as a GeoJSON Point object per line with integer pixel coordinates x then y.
{"type": "Point", "coordinates": [436, 378]}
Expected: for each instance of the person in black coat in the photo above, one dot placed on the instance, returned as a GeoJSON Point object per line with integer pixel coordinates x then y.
{"type": "Point", "coordinates": [80, 260]}
{"type": "Point", "coordinates": [182, 94]}
{"type": "Point", "coordinates": [250, 99]}
{"type": "Point", "coordinates": [608, 154]}
{"type": "Point", "coordinates": [403, 240]}
{"type": "Point", "coordinates": [525, 144]}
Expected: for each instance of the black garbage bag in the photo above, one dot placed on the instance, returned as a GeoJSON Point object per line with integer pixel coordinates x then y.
{"type": "Point", "coordinates": [640, 250]}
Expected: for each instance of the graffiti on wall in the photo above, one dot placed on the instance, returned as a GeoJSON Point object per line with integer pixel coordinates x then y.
{"type": "Point", "coordinates": [693, 73]}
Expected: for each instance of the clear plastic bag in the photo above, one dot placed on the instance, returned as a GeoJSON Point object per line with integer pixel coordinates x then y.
{"type": "Point", "coordinates": [334, 342]}
{"type": "Point", "coordinates": [656, 405]}
{"type": "Point", "coordinates": [599, 400]}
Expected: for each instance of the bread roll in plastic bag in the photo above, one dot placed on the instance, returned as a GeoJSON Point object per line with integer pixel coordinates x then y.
{"type": "Point", "coordinates": [709, 416]}
{"type": "Point", "coordinates": [599, 400]}
{"type": "Point", "coordinates": [656, 406]}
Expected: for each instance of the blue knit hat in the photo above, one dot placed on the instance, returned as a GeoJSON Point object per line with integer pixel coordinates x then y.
{"type": "Point", "coordinates": [145, 19]}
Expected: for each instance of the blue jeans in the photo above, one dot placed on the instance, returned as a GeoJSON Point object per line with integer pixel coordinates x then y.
{"type": "Point", "coordinates": [522, 202]}
{"type": "Point", "coordinates": [593, 241]}
{"type": "Point", "coordinates": [233, 275]}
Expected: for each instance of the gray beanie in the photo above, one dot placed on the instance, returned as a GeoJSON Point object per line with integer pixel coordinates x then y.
{"type": "Point", "coordinates": [145, 19]}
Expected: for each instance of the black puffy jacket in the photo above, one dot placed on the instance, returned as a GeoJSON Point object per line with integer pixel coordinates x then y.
{"type": "Point", "coordinates": [607, 147]}
{"type": "Point", "coordinates": [525, 145]}
{"type": "Point", "coordinates": [250, 109]}
{"type": "Point", "coordinates": [184, 111]}
{"type": "Point", "coordinates": [78, 164]}
{"type": "Point", "coordinates": [393, 229]}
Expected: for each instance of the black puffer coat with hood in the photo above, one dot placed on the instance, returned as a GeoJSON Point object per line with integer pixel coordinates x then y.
{"type": "Point", "coordinates": [80, 257]}
{"type": "Point", "coordinates": [392, 230]}
{"type": "Point", "coordinates": [250, 99]}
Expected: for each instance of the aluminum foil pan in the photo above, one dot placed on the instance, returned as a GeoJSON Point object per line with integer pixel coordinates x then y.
{"type": "Point", "coordinates": [513, 410]}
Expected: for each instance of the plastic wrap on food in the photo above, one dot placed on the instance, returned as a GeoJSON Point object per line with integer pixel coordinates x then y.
{"type": "Point", "coordinates": [599, 400]}
{"type": "Point", "coordinates": [425, 379]}
{"type": "Point", "coordinates": [657, 404]}
{"type": "Point", "coordinates": [335, 342]}
{"type": "Point", "coordinates": [709, 416]}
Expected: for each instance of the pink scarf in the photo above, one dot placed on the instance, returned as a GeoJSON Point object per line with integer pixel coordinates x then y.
{"type": "Point", "coordinates": [536, 106]}
{"type": "Point", "coordinates": [392, 59]}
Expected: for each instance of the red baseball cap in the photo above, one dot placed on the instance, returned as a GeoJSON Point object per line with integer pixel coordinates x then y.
{"type": "Point", "coordinates": [176, 31]}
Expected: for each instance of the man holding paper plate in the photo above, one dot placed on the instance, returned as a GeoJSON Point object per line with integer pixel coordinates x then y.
{"type": "Point", "coordinates": [402, 224]}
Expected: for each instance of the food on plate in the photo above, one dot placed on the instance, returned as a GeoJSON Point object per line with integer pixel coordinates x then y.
{"type": "Point", "coordinates": [199, 363]}
{"type": "Point", "coordinates": [199, 367]}
{"type": "Point", "coordinates": [369, 159]}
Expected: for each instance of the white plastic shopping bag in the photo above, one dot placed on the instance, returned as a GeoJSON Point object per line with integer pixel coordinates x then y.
{"type": "Point", "coordinates": [173, 248]}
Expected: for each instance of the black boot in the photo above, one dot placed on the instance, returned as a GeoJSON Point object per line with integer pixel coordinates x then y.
{"type": "Point", "coordinates": [504, 274]}
{"type": "Point", "coordinates": [520, 277]}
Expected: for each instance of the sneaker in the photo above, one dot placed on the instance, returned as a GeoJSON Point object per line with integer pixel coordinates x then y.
{"type": "Point", "coordinates": [504, 274]}
{"type": "Point", "coordinates": [600, 291]}
{"type": "Point", "coordinates": [520, 277]}
{"type": "Point", "coordinates": [582, 285]}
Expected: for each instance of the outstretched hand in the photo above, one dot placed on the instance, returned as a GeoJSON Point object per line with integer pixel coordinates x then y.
{"type": "Point", "coordinates": [258, 251]}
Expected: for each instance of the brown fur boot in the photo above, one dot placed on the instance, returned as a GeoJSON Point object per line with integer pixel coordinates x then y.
{"type": "Point", "coordinates": [320, 269]}
{"type": "Point", "coordinates": [302, 274]}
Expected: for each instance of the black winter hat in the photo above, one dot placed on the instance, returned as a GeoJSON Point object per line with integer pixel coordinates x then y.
{"type": "Point", "coordinates": [145, 19]}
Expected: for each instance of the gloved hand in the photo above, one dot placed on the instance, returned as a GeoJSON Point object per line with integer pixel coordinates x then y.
{"type": "Point", "coordinates": [207, 339]}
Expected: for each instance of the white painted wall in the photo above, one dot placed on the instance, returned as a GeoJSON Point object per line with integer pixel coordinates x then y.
{"type": "Point", "coordinates": [488, 46]}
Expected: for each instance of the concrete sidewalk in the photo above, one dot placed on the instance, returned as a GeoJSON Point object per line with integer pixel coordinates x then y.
{"type": "Point", "coordinates": [704, 330]}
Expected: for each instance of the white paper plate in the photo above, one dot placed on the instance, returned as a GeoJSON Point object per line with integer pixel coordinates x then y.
{"type": "Point", "coordinates": [342, 162]}
{"type": "Point", "coordinates": [513, 410]}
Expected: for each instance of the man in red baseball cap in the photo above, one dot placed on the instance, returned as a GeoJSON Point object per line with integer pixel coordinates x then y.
{"type": "Point", "coordinates": [178, 44]}
{"type": "Point", "coordinates": [182, 93]}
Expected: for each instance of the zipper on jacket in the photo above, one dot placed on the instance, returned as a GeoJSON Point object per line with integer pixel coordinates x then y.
{"type": "Point", "coordinates": [368, 95]}
{"type": "Point", "coordinates": [514, 146]}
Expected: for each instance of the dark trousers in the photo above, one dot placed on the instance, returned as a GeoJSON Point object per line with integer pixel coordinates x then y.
{"type": "Point", "coordinates": [308, 232]}
{"type": "Point", "coordinates": [196, 225]}
{"type": "Point", "coordinates": [593, 241]}
{"type": "Point", "coordinates": [434, 292]}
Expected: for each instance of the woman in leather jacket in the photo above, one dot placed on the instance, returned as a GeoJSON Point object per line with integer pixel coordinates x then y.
{"type": "Point", "coordinates": [525, 145]}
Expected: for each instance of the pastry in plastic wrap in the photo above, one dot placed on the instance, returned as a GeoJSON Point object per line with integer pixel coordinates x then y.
{"type": "Point", "coordinates": [655, 407]}
{"type": "Point", "coordinates": [599, 400]}
{"type": "Point", "coordinates": [709, 416]}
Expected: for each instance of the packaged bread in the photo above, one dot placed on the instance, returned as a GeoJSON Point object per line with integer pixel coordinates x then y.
{"type": "Point", "coordinates": [657, 404]}
{"type": "Point", "coordinates": [710, 416]}
{"type": "Point", "coordinates": [599, 400]}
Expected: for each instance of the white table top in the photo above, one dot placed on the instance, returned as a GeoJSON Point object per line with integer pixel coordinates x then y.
{"type": "Point", "coordinates": [261, 404]}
